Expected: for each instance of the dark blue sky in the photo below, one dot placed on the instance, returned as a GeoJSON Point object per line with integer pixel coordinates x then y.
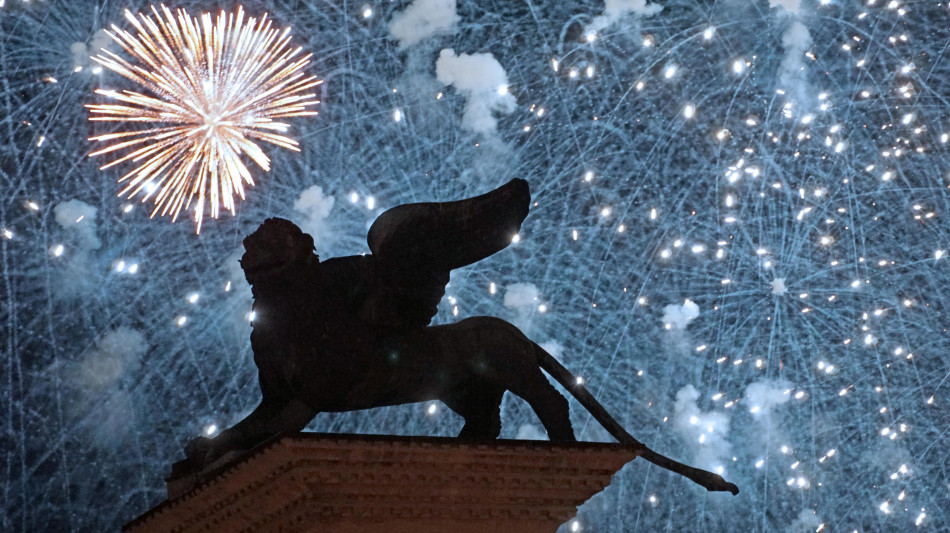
{"type": "Point", "coordinates": [739, 241]}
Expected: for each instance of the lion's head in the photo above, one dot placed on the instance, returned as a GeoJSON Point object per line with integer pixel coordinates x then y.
{"type": "Point", "coordinates": [276, 249]}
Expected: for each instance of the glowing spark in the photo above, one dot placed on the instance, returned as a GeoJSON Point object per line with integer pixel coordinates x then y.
{"type": "Point", "coordinates": [212, 89]}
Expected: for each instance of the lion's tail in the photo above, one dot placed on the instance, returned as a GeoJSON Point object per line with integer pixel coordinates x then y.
{"type": "Point", "coordinates": [569, 381]}
{"type": "Point", "coordinates": [709, 480]}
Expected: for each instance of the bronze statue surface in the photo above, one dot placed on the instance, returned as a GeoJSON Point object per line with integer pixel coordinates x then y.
{"type": "Point", "coordinates": [353, 332]}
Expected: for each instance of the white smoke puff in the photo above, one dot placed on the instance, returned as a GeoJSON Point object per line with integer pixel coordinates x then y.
{"type": "Point", "coordinates": [704, 432]}
{"type": "Point", "coordinates": [484, 83]}
{"type": "Point", "coordinates": [807, 522]}
{"type": "Point", "coordinates": [82, 52]}
{"type": "Point", "coordinates": [115, 354]}
{"type": "Point", "coordinates": [79, 218]}
{"type": "Point", "coordinates": [521, 295]}
{"type": "Point", "coordinates": [523, 299]}
{"type": "Point", "coordinates": [789, 5]}
{"type": "Point", "coordinates": [108, 417]}
{"type": "Point", "coordinates": [763, 395]}
{"type": "Point", "coordinates": [796, 38]}
{"type": "Point", "coordinates": [423, 19]}
{"type": "Point", "coordinates": [315, 207]}
{"type": "Point", "coordinates": [614, 10]}
{"type": "Point", "coordinates": [530, 432]}
{"type": "Point", "coordinates": [795, 42]}
{"type": "Point", "coordinates": [778, 286]}
{"type": "Point", "coordinates": [678, 316]}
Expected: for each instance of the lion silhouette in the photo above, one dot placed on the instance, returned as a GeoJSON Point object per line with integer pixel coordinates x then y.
{"type": "Point", "coordinates": [353, 333]}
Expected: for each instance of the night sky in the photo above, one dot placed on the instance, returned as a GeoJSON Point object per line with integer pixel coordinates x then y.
{"type": "Point", "coordinates": [738, 239]}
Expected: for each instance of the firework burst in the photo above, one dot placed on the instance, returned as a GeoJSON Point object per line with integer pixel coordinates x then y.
{"type": "Point", "coordinates": [212, 89]}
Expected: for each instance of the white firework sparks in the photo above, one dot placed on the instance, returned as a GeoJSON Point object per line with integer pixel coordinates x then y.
{"type": "Point", "coordinates": [214, 87]}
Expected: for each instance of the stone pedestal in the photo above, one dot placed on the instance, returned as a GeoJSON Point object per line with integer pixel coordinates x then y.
{"type": "Point", "coordinates": [365, 483]}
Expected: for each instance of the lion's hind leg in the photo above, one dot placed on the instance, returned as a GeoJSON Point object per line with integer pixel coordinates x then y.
{"type": "Point", "coordinates": [479, 403]}
{"type": "Point", "coordinates": [546, 402]}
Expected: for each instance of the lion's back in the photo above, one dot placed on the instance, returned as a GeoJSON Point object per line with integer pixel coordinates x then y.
{"type": "Point", "coordinates": [481, 343]}
{"type": "Point", "coordinates": [481, 325]}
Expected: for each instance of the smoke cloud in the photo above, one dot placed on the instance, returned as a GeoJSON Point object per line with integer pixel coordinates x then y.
{"type": "Point", "coordinates": [764, 395]}
{"type": "Point", "coordinates": [614, 10]}
{"type": "Point", "coordinates": [315, 208]}
{"type": "Point", "coordinates": [115, 355]}
{"type": "Point", "coordinates": [101, 404]}
{"type": "Point", "coordinates": [704, 432]}
{"type": "Point", "coordinates": [77, 274]}
{"type": "Point", "coordinates": [523, 298]}
{"type": "Point", "coordinates": [82, 52]}
{"type": "Point", "coordinates": [423, 19]}
{"type": "Point", "coordinates": [483, 81]}
{"type": "Point", "coordinates": [806, 522]}
{"type": "Point", "coordinates": [677, 317]}
{"type": "Point", "coordinates": [79, 219]}
{"type": "Point", "coordinates": [795, 41]}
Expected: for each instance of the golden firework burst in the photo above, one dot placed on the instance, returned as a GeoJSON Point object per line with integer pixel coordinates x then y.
{"type": "Point", "coordinates": [213, 88]}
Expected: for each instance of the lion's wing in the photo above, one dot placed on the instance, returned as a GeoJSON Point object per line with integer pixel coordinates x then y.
{"type": "Point", "coordinates": [417, 245]}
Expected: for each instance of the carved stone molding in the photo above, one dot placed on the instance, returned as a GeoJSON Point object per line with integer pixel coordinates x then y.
{"type": "Point", "coordinates": [365, 483]}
